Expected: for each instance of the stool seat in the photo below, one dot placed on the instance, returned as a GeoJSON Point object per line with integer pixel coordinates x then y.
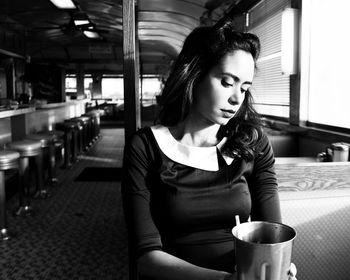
{"type": "Point", "coordinates": [70, 124]}
{"type": "Point", "coordinates": [84, 119]}
{"type": "Point", "coordinates": [74, 122]}
{"type": "Point", "coordinates": [8, 159]}
{"type": "Point", "coordinates": [58, 143]}
{"type": "Point", "coordinates": [45, 139]}
{"type": "Point", "coordinates": [57, 134]}
{"type": "Point", "coordinates": [27, 147]}
{"type": "Point", "coordinates": [92, 113]}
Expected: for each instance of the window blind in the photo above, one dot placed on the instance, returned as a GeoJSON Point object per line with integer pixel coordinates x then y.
{"type": "Point", "coordinates": [270, 88]}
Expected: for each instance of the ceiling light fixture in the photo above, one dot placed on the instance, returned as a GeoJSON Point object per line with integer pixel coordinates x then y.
{"type": "Point", "coordinates": [64, 4]}
{"type": "Point", "coordinates": [78, 22]}
{"type": "Point", "coordinates": [92, 34]}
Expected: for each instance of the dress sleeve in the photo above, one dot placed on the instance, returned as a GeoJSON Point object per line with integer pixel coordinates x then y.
{"type": "Point", "coordinates": [142, 233]}
{"type": "Point", "coordinates": [263, 185]}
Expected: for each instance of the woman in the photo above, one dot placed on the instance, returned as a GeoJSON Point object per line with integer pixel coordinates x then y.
{"type": "Point", "coordinates": [206, 161]}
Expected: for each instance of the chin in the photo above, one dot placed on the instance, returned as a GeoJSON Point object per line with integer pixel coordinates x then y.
{"type": "Point", "coordinates": [223, 121]}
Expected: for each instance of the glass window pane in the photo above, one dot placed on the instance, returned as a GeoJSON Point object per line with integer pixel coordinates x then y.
{"type": "Point", "coordinates": [71, 84]}
{"type": "Point", "coordinates": [329, 62]}
{"type": "Point", "coordinates": [112, 88]}
{"type": "Point", "coordinates": [88, 87]}
{"type": "Point", "coordinates": [151, 87]}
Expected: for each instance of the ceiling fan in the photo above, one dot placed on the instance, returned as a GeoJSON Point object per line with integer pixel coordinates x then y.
{"type": "Point", "coordinates": [78, 24]}
{"type": "Point", "coordinates": [68, 28]}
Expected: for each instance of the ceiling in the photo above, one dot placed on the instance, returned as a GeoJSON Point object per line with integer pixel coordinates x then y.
{"type": "Point", "coordinates": [162, 25]}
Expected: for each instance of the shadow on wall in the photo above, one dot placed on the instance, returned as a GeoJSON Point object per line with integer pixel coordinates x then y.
{"type": "Point", "coordinates": [284, 144]}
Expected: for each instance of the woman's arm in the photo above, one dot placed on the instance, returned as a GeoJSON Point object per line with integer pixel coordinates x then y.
{"type": "Point", "coordinates": [263, 185]}
{"type": "Point", "coordinates": [160, 265]}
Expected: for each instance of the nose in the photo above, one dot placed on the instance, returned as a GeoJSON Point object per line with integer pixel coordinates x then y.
{"type": "Point", "coordinates": [236, 96]}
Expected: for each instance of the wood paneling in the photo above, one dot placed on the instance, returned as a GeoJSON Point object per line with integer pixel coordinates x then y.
{"type": "Point", "coordinates": [131, 70]}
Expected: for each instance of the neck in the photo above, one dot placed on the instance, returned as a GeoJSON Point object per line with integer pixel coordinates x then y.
{"type": "Point", "coordinates": [196, 133]}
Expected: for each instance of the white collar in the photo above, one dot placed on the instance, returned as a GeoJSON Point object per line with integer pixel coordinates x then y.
{"type": "Point", "coordinates": [205, 158]}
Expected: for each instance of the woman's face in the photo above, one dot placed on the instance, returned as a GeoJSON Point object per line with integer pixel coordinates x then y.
{"type": "Point", "coordinates": [220, 94]}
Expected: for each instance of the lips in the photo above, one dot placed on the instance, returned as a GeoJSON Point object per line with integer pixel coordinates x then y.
{"type": "Point", "coordinates": [228, 113]}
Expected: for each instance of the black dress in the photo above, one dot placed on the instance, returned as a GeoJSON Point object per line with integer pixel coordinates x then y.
{"type": "Point", "coordinates": [188, 211]}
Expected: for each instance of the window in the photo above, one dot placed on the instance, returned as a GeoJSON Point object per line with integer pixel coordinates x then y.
{"type": "Point", "coordinates": [71, 84]}
{"type": "Point", "coordinates": [325, 96]}
{"type": "Point", "coordinates": [88, 86]}
{"type": "Point", "coordinates": [112, 87]}
{"type": "Point", "coordinates": [151, 87]}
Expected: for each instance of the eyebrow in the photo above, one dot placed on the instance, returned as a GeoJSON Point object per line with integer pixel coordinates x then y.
{"type": "Point", "coordinates": [236, 79]}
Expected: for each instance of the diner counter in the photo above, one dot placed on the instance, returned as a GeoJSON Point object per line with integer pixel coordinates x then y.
{"type": "Point", "coordinates": [306, 174]}
{"type": "Point", "coordinates": [294, 160]}
{"type": "Point", "coordinates": [306, 161]}
{"type": "Point", "coordinates": [15, 124]}
{"type": "Point", "coordinates": [15, 112]}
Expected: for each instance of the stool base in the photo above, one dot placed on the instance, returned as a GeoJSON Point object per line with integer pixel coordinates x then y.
{"type": "Point", "coordinates": [6, 235]}
{"type": "Point", "coordinates": [23, 211]}
{"type": "Point", "coordinates": [41, 194]}
{"type": "Point", "coordinates": [53, 181]}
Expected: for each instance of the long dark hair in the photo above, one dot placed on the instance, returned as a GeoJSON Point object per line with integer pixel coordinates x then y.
{"type": "Point", "coordinates": [203, 49]}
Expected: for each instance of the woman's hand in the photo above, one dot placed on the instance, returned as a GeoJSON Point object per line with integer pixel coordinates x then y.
{"type": "Point", "coordinates": [292, 272]}
{"type": "Point", "coordinates": [230, 276]}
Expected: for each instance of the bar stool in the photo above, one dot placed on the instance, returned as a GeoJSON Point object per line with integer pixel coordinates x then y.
{"type": "Point", "coordinates": [80, 133]}
{"type": "Point", "coordinates": [85, 122]}
{"type": "Point", "coordinates": [96, 116]}
{"type": "Point", "coordinates": [27, 149]}
{"type": "Point", "coordinates": [70, 142]}
{"type": "Point", "coordinates": [8, 160]}
{"type": "Point", "coordinates": [89, 130]}
{"type": "Point", "coordinates": [59, 150]}
{"type": "Point", "coordinates": [58, 142]}
{"type": "Point", "coordinates": [95, 123]}
{"type": "Point", "coordinates": [48, 152]}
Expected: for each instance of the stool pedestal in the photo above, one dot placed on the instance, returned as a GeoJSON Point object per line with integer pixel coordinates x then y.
{"type": "Point", "coordinates": [8, 160]}
{"type": "Point", "coordinates": [29, 149]}
{"type": "Point", "coordinates": [70, 142]}
{"type": "Point", "coordinates": [48, 149]}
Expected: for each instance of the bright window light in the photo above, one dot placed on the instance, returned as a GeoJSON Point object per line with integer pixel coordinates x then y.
{"type": "Point", "coordinates": [325, 73]}
{"type": "Point", "coordinates": [91, 34]}
{"type": "Point", "coordinates": [113, 88]}
{"type": "Point", "coordinates": [289, 41]}
{"type": "Point", "coordinates": [64, 4]}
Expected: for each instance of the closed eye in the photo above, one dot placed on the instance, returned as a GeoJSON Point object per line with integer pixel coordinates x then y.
{"type": "Point", "coordinates": [225, 83]}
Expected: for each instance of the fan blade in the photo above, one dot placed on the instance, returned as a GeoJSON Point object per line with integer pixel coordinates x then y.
{"type": "Point", "coordinates": [46, 27]}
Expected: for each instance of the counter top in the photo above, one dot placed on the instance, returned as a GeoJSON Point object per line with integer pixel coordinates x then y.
{"type": "Point", "coordinates": [59, 104]}
{"type": "Point", "coordinates": [15, 112]}
{"type": "Point", "coordinates": [7, 113]}
{"type": "Point", "coordinates": [306, 161]}
{"type": "Point", "coordinates": [294, 160]}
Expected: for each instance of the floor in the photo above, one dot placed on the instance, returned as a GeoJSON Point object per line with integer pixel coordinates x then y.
{"type": "Point", "coordinates": [321, 218]}
{"type": "Point", "coordinates": [79, 232]}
